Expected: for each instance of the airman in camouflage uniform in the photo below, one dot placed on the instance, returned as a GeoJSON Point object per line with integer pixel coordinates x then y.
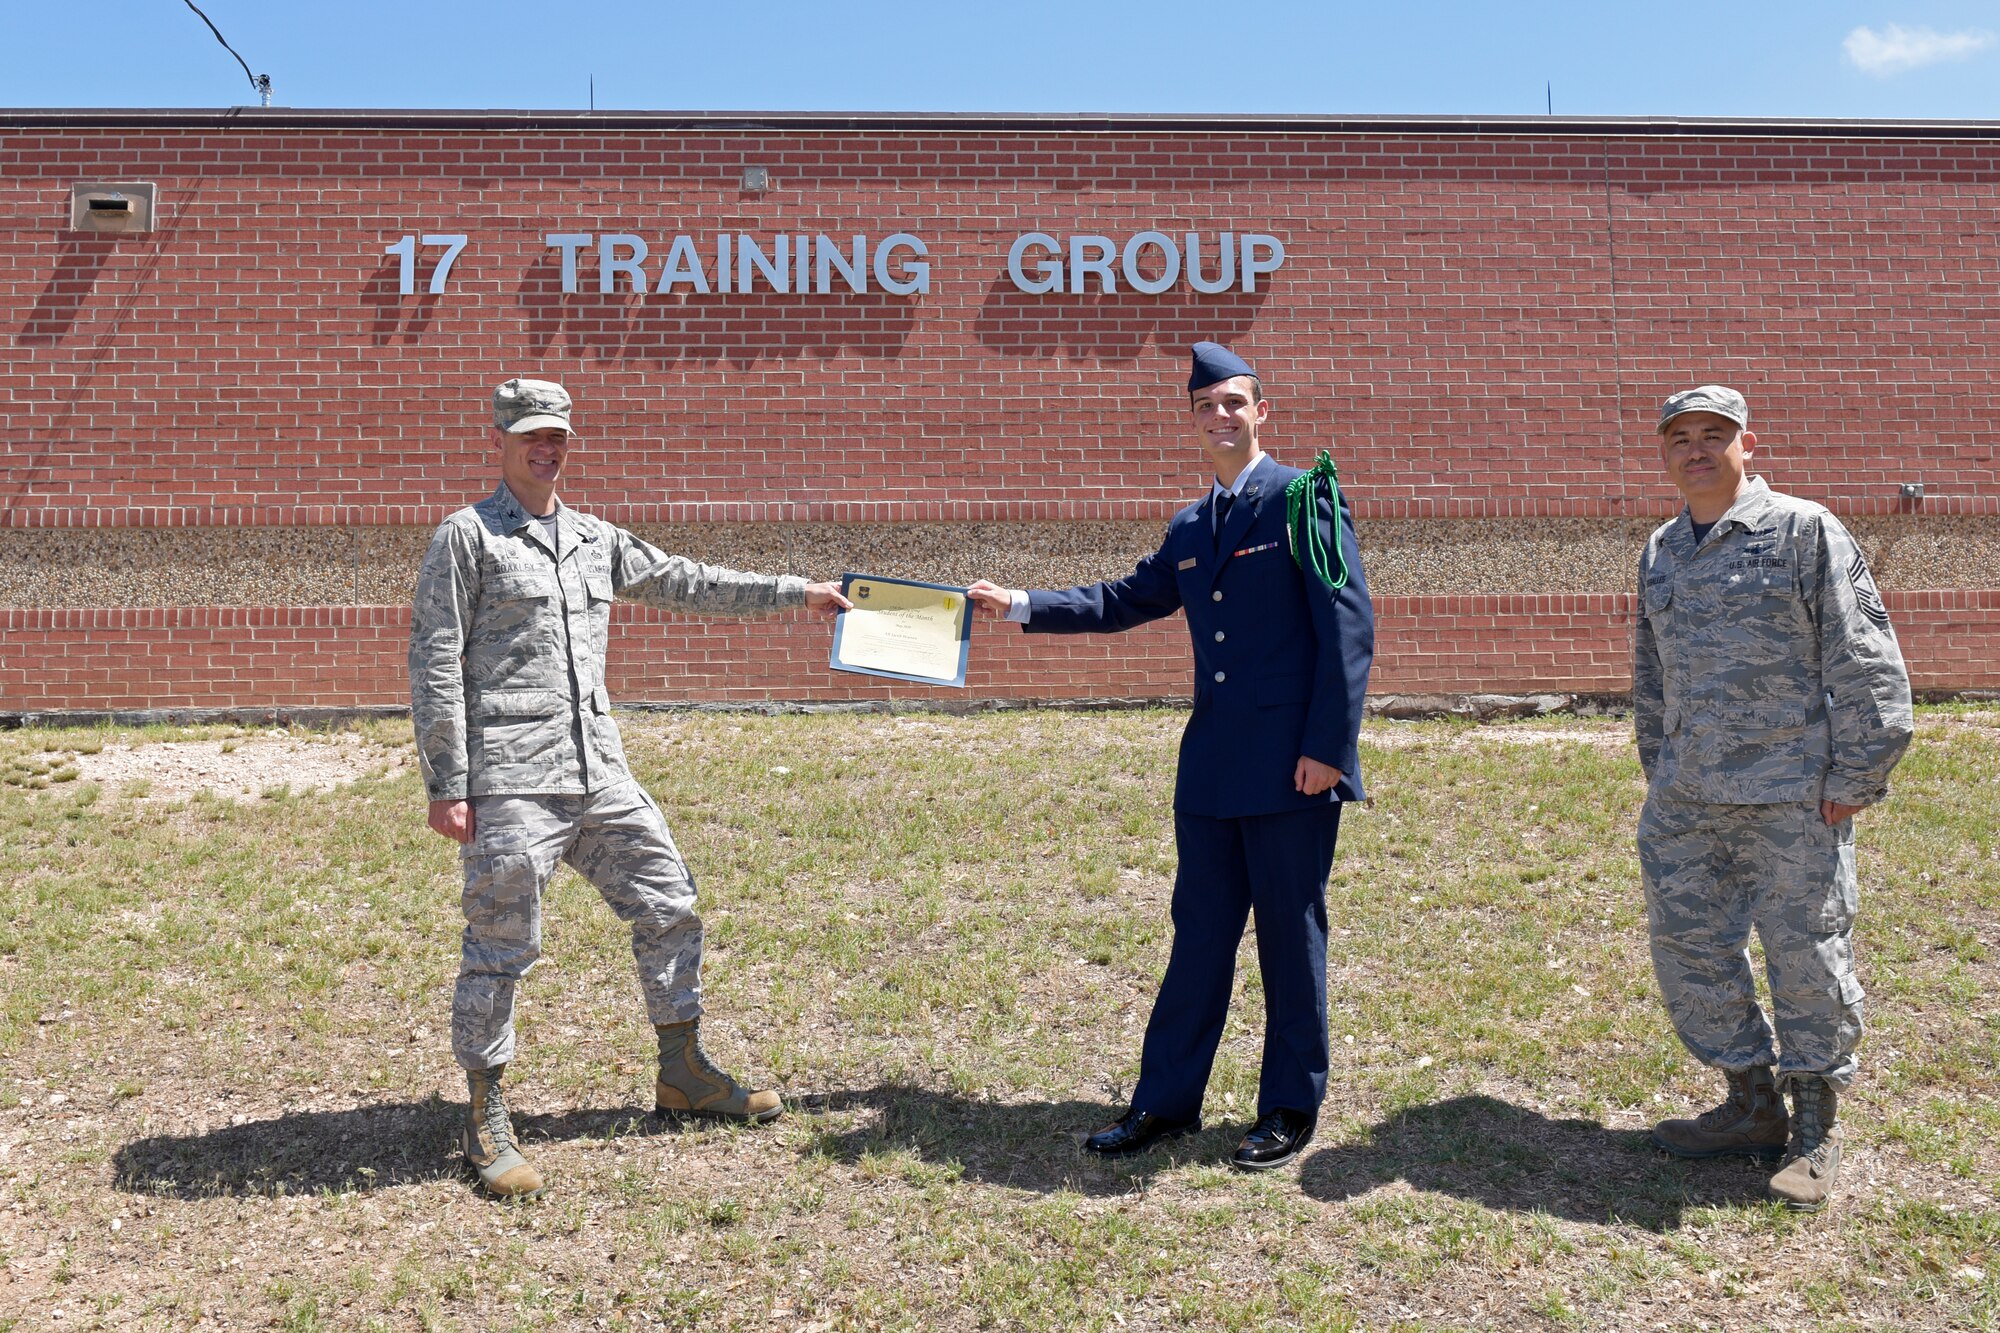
{"type": "Point", "coordinates": [1771, 703]}
{"type": "Point", "coordinates": [524, 766]}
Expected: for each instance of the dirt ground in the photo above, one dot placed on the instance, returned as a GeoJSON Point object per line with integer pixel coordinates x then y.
{"type": "Point", "coordinates": [241, 769]}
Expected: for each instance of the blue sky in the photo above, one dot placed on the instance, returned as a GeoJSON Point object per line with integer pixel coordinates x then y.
{"type": "Point", "coordinates": [1832, 60]}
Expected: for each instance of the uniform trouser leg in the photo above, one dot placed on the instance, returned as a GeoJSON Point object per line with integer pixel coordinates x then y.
{"type": "Point", "coordinates": [1290, 856]}
{"type": "Point", "coordinates": [616, 839]}
{"type": "Point", "coordinates": [516, 844]}
{"type": "Point", "coordinates": [1279, 863]}
{"type": "Point", "coordinates": [623, 847]}
{"type": "Point", "coordinates": [1805, 917]}
{"type": "Point", "coordinates": [1711, 873]}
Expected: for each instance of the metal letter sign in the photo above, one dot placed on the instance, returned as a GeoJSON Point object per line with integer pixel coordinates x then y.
{"type": "Point", "coordinates": [406, 250]}
{"type": "Point", "coordinates": [1038, 263]}
{"type": "Point", "coordinates": [1149, 263]}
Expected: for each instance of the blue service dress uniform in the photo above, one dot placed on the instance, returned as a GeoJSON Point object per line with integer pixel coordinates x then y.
{"type": "Point", "coordinates": [1281, 670]}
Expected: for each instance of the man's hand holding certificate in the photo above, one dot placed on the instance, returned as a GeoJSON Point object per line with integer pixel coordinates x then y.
{"type": "Point", "coordinates": [903, 630]}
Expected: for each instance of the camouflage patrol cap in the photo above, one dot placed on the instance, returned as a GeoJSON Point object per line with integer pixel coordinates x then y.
{"type": "Point", "coordinates": [520, 406]}
{"type": "Point", "coordinates": [1708, 398]}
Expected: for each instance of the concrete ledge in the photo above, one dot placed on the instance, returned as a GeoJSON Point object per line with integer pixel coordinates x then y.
{"type": "Point", "coordinates": [1484, 707]}
{"type": "Point", "coordinates": [1492, 707]}
{"type": "Point", "coordinates": [184, 717]}
{"type": "Point", "coordinates": [1396, 707]}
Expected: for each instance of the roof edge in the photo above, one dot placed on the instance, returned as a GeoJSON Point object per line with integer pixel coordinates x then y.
{"type": "Point", "coordinates": [791, 122]}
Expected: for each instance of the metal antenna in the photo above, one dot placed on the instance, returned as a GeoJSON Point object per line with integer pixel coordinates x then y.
{"type": "Point", "coordinates": [260, 82]}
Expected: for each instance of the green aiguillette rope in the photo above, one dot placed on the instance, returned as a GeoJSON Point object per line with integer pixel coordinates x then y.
{"type": "Point", "coordinates": [1302, 496]}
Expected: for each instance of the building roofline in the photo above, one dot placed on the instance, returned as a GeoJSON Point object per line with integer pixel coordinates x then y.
{"type": "Point", "coordinates": [794, 122]}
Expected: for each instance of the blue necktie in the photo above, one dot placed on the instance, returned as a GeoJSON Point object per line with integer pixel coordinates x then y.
{"type": "Point", "coordinates": [1222, 503]}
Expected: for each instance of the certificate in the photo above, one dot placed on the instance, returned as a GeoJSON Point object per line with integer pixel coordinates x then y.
{"type": "Point", "coordinates": [903, 630]}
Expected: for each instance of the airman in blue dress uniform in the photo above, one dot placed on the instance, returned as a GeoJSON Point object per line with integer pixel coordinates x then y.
{"type": "Point", "coordinates": [1281, 659]}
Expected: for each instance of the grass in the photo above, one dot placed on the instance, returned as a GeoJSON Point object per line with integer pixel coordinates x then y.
{"type": "Point", "coordinates": [223, 1027]}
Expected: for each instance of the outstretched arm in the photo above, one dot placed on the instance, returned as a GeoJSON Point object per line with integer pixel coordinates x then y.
{"type": "Point", "coordinates": [826, 598]}
{"type": "Point", "coordinates": [1149, 592]}
{"type": "Point", "coordinates": [642, 572]}
{"type": "Point", "coordinates": [993, 600]}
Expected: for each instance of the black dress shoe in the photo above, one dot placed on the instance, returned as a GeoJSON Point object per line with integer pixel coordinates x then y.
{"type": "Point", "coordinates": [1136, 1131]}
{"type": "Point", "coordinates": [1275, 1139]}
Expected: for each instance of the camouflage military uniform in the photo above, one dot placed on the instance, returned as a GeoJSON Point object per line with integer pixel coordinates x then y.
{"type": "Point", "coordinates": [1766, 678]}
{"type": "Point", "coordinates": [507, 648]}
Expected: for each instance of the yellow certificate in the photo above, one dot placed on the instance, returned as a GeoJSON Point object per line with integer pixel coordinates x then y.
{"type": "Point", "coordinates": [904, 630]}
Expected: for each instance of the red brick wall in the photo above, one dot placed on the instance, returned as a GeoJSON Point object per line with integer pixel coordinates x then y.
{"type": "Point", "coordinates": [1476, 324]}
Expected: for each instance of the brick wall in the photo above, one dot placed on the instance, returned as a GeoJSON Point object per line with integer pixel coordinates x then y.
{"type": "Point", "coordinates": [1477, 322]}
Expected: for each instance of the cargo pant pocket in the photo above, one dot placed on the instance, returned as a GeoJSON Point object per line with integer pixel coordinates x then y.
{"type": "Point", "coordinates": [1833, 911]}
{"type": "Point", "coordinates": [502, 899]}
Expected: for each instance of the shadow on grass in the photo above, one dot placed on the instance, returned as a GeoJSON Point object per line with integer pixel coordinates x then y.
{"type": "Point", "coordinates": [1030, 1146]}
{"type": "Point", "coordinates": [1496, 1154]}
{"type": "Point", "coordinates": [1475, 1148]}
{"type": "Point", "coordinates": [1019, 1145]}
{"type": "Point", "coordinates": [366, 1148]}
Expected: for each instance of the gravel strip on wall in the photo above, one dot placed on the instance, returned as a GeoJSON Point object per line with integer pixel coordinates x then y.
{"type": "Point", "coordinates": [133, 567]}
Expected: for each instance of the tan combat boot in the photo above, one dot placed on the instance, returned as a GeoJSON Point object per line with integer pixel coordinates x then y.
{"type": "Point", "coordinates": [690, 1084]}
{"type": "Point", "coordinates": [1750, 1122]}
{"type": "Point", "coordinates": [1812, 1159]}
{"type": "Point", "coordinates": [489, 1140]}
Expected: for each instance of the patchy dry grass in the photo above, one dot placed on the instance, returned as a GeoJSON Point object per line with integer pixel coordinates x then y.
{"type": "Point", "coordinates": [226, 1100]}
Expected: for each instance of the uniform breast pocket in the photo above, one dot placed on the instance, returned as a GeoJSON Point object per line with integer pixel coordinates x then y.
{"type": "Point", "coordinates": [513, 585]}
{"type": "Point", "coordinates": [514, 599]}
{"type": "Point", "coordinates": [1657, 596]}
{"type": "Point", "coordinates": [1755, 579]}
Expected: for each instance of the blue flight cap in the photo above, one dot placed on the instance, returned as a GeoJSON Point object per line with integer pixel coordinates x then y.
{"type": "Point", "coordinates": [1214, 363]}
